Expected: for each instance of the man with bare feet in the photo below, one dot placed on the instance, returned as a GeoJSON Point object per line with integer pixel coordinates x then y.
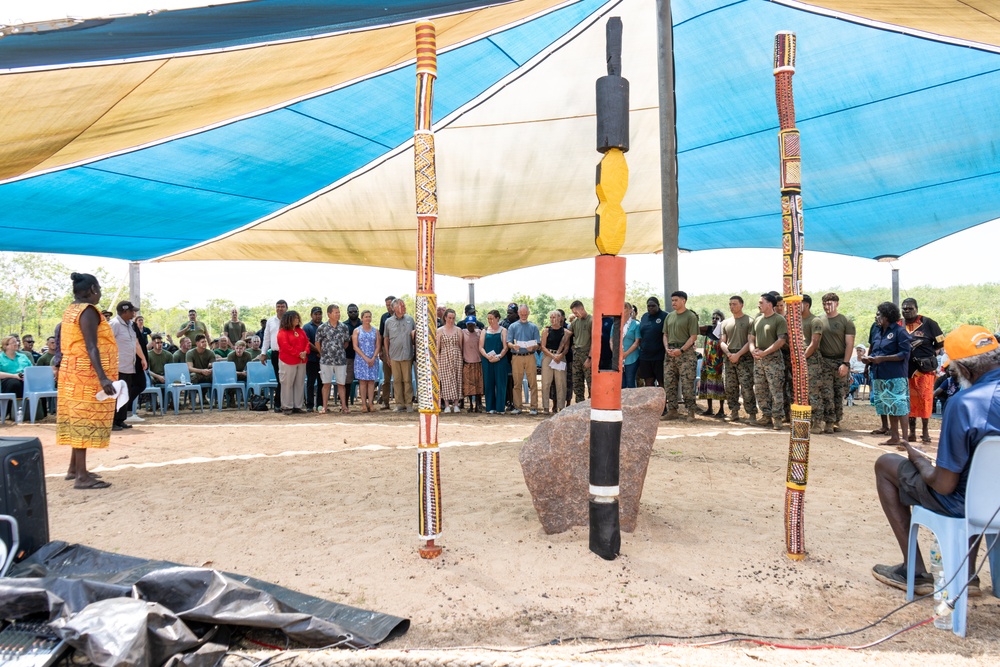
{"type": "Point", "coordinates": [971, 415]}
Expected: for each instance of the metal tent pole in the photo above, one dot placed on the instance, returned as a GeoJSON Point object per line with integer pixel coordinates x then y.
{"type": "Point", "coordinates": [668, 145]}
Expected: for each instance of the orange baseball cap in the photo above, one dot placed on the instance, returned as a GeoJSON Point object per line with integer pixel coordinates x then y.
{"type": "Point", "coordinates": [969, 340]}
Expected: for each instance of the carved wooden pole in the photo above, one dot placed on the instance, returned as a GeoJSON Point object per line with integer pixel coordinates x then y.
{"type": "Point", "coordinates": [792, 244]}
{"type": "Point", "coordinates": [428, 378]}
{"type": "Point", "coordinates": [609, 297]}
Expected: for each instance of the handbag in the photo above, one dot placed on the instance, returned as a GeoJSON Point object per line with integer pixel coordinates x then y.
{"type": "Point", "coordinates": [925, 364]}
{"type": "Point", "coordinates": [258, 403]}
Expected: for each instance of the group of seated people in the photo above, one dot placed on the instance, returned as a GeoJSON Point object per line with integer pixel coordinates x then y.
{"type": "Point", "coordinates": [17, 354]}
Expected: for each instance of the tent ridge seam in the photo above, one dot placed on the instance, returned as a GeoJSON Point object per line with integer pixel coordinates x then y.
{"type": "Point", "coordinates": [243, 47]}
{"type": "Point", "coordinates": [338, 127]}
{"type": "Point", "coordinates": [887, 27]}
{"type": "Point", "coordinates": [184, 187]}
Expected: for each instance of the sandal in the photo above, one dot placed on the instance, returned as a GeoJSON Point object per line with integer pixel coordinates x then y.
{"type": "Point", "coordinates": [926, 439]}
{"type": "Point", "coordinates": [96, 484]}
{"type": "Point", "coordinates": [880, 431]}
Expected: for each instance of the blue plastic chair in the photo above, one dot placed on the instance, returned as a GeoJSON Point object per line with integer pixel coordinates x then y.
{"type": "Point", "coordinates": [223, 378]}
{"type": "Point", "coordinates": [7, 400]}
{"type": "Point", "coordinates": [982, 497]}
{"type": "Point", "coordinates": [39, 382]}
{"type": "Point", "coordinates": [152, 390]}
{"type": "Point", "coordinates": [179, 373]}
{"type": "Point", "coordinates": [260, 379]}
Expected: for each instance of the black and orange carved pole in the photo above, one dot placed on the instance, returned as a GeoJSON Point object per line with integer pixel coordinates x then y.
{"type": "Point", "coordinates": [609, 297]}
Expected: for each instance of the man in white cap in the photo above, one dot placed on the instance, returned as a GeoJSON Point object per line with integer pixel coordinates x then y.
{"type": "Point", "coordinates": [971, 415]}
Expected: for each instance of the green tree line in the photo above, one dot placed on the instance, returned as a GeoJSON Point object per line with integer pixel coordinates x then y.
{"type": "Point", "coordinates": [36, 291]}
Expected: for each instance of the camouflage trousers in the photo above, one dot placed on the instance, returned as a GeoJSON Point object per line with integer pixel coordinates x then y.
{"type": "Point", "coordinates": [769, 385]}
{"type": "Point", "coordinates": [739, 380]}
{"type": "Point", "coordinates": [839, 386]}
{"type": "Point", "coordinates": [820, 389]}
{"type": "Point", "coordinates": [786, 358]}
{"type": "Point", "coordinates": [580, 376]}
{"type": "Point", "coordinates": [680, 373]}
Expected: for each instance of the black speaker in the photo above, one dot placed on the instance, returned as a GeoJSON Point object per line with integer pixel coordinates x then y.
{"type": "Point", "coordinates": [22, 493]}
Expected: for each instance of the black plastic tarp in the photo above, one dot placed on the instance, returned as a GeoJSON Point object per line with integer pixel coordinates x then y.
{"type": "Point", "coordinates": [124, 611]}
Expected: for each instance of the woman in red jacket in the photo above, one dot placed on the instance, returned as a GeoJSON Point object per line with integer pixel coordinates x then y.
{"type": "Point", "coordinates": [293, 348]}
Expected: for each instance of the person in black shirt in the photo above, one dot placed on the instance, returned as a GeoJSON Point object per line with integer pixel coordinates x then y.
{"type": "Point", "coordinates": [353, 322]}
{"type": "Point", "coordinates": [651, 350]}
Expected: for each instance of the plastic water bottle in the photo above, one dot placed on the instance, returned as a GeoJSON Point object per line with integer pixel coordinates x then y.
{"type": "Point", "coordinates": [942, 612]}
{"type": "Point", "coordinates": [19, 419]}
{"type": "Point", "coordinates": [184, 378]}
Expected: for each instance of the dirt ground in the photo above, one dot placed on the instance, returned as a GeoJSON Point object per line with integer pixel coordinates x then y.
{"type": "Point", "coordinates": [326, 504]}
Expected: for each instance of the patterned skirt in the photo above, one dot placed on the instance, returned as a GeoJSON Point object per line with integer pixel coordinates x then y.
{"type": "Point", "coordinates": [710, 384]}
{"type": "Point", "coordinates": [450, 366]}
{"type": "Point", "coordinates": [891, 397]}
{"type": "Point", "coordinates": [472, 379]}
{"type": "Point", "coordinates": [921, 395]}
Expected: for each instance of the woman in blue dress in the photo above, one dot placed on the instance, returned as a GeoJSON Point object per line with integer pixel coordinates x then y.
{"type": "Point", "coordinates": [496, 365]}
{"type": "Point", "coordinates": [367, 344]}
{"type": "Point", "coordinates": [888, 357]}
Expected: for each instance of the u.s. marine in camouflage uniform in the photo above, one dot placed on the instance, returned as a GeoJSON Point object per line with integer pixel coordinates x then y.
{"type": "Point", "coordinates": [767, 337]}
{"type": "Point", "coordinates": [680, 364]}
{"type": "Point", "coordinates": [735, 344]}
{"type": "Point", "coordinates": [820, 389]}
{"type": "Point", "coordinates": [836, 347]}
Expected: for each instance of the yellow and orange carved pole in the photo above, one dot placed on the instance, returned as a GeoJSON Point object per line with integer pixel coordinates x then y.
{"type": "Point", "coordinates": [428, 378]}
{"type": "Point", "coordinates": [792, 245]}
{"type": "Point", "coordinates": [609, 298]}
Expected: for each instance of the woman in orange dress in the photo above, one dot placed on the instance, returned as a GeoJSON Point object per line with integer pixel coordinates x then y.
{"type": "Point", "coordinates": [89, 365]}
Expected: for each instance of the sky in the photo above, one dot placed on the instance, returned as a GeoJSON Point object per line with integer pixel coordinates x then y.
{"type": "Point", "coordinates": [968, 257]}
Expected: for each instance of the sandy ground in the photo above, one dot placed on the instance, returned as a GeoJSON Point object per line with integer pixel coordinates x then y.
{"type": "Point", "coordinates": [326, 504]}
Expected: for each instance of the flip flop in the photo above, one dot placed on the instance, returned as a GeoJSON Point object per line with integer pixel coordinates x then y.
{"type": "Point", "coordinates": [880, 431]}
{"type": "Point", "coordinates": [96, 484]}
{"type": "Point", "coordinates": [926, 438]}
{"type": "Point", "coordinates": [93, 474]}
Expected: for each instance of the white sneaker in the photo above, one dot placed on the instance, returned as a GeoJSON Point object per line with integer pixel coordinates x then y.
{"type": "Point", "coordinates": [533, 412]}
{"type": "Point", "coordinates": [134, 418]}
{"type": "Point", "coordinates": [515, 411]}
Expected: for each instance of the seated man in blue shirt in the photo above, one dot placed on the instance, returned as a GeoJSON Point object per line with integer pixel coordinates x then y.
{"type": "Point", "coordinates": [971, 415]}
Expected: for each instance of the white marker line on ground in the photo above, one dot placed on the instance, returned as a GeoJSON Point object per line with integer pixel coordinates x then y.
{"type": "Point", "coordinates": [714, 434]}
{"type": "Point", "coordinates": [247, 457]}
{"type": "Point", "coordinates": [859, 443]}
{"type": "Point", "coordinates": [441, 424]}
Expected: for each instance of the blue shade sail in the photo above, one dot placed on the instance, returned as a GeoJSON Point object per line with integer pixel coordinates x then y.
{"type": "Point", "coordinates": [900, 135]}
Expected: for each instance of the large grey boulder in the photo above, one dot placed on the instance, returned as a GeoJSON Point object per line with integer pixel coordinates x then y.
{"type": "Point", "coordinates": [556, 460]}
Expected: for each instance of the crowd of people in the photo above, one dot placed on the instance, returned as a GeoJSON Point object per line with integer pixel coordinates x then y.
{"type": "Point", "coordinates": [331, 363]}
{"type": "Point", "coordinates": [744, 363]}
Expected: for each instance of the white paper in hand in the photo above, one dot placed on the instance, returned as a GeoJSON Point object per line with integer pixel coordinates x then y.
{"type": "Point", "coordinates": [121, 394]}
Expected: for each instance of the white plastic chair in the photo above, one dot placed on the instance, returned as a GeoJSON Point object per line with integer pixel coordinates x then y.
{"type": "Point", "coordinates": [982, 498]}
